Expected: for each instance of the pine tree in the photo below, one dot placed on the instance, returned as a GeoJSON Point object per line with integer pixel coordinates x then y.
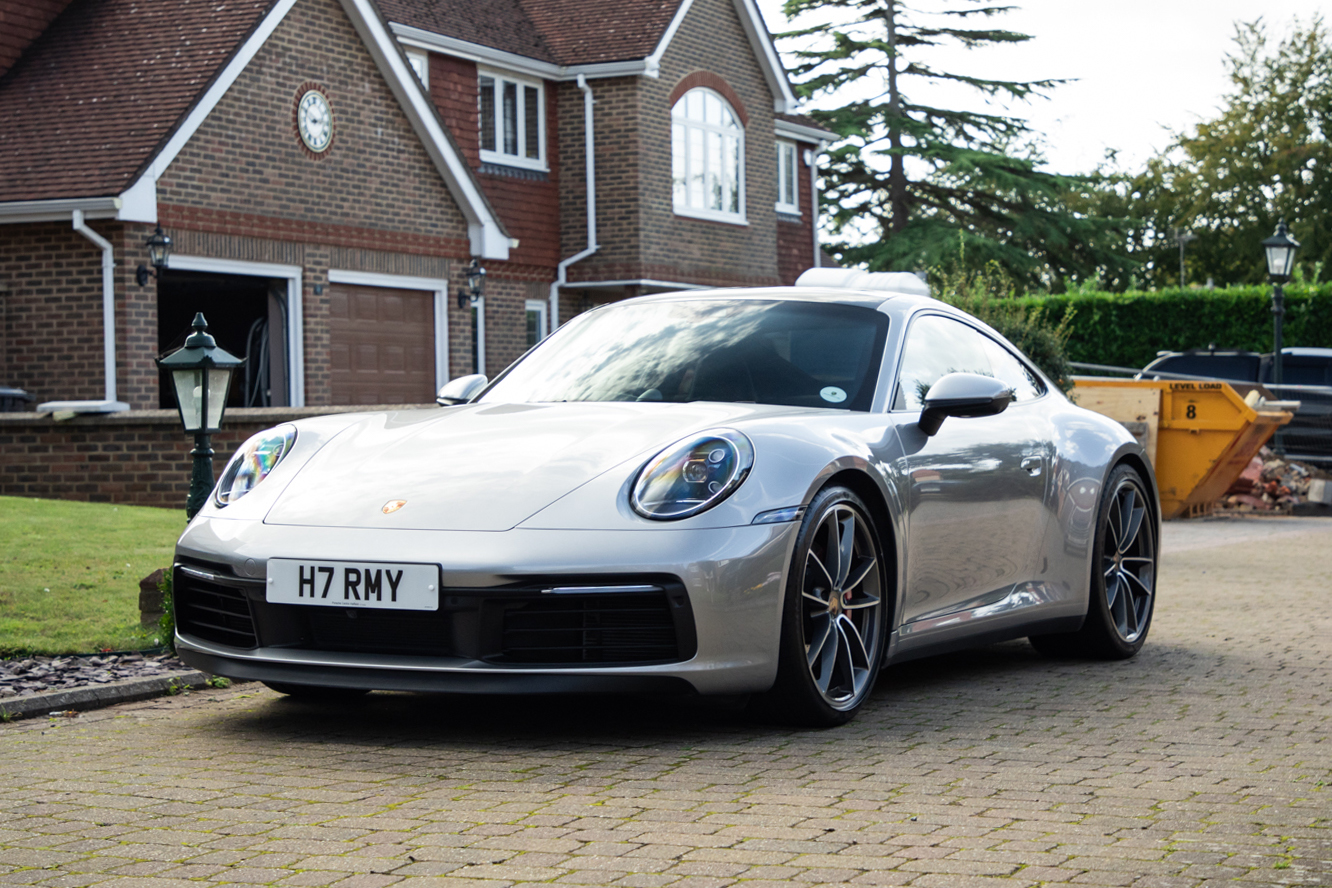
{"type": "Point", "coordinates": [914, 185]}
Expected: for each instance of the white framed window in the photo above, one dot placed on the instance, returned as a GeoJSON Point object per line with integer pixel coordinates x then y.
{"type": "Point", "coordinates": [536, 321]}
{"type": "Point", "coordinates": [788, 171]}
{"type": "Point", "coordinates": [420, 62]}
{"type": "Point", "coordinates": [512, 114]}
{"type": "Point", "coordinates": [707, 158]}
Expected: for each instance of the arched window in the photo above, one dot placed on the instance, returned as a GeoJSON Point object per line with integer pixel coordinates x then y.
{"type": "Point", "coordinates": [707, 157]}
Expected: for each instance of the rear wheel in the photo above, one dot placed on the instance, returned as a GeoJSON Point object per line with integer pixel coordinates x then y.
{"type": "Point", "coordinates": [315, 692]}
{"type": "Point", "coordinates": [1123, 580]}
{"type": "Point", "coordinates": [833, 616]}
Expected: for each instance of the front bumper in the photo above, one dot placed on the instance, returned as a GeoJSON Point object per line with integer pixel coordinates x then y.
{"type": "Point", "coordinates": [721, 590]}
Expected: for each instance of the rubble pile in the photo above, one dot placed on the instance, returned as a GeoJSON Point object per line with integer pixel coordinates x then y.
{"type": "Point", "coordinates": [34, 675]}
{"type": "Point", "coordinates": [1273, 484]}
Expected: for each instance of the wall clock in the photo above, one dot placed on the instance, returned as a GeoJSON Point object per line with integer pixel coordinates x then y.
{"type": "Point", "coordinates": [314, 119]}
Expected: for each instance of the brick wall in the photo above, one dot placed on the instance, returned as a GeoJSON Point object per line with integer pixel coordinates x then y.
{"type": "Point", "coordinates": [141, 458]}
{"type": "Point", "coordinates": [51, 309]}
{"type": "Point", "coordinates": [711, 41]}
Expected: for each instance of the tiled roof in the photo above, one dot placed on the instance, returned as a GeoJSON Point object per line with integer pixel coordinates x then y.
{"type": "Point", "coordinates": [582, 32]}
{"type": "Point", "coordinates": [565, 32]}
{"type": "Point", "coordinates": [499, 24]}
{"type": "Point", "coordinates": [95, 96]}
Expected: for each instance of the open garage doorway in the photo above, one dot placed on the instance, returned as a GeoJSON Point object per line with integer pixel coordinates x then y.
{"type": "Point", "coordinates": [246, 315]}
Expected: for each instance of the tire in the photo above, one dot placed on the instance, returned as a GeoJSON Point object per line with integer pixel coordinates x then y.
{"type": "Point", "coordinates": [315, 692]}
{"type": "Point", "coordinates": [1122, 594]}
{"type": "Point", "coordinates": [833, 616]}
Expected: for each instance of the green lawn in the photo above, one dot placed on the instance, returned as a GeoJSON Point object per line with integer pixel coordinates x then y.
{"type": "Point", "coordinates": [69, 573]}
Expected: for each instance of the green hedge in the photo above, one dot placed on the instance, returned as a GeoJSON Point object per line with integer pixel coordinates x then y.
{"type": "Point", "coordinates": [1128, 329]}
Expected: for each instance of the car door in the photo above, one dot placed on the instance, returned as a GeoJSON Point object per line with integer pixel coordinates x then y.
{"type": "Point", "coordinates": [976, 490]}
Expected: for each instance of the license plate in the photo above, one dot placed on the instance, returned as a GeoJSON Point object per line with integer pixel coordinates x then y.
{"type": "Point", "coordinates": [366, 584]}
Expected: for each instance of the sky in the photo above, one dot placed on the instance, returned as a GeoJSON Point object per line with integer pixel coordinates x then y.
{"type": "Point", "coordinates": [1141, 68]}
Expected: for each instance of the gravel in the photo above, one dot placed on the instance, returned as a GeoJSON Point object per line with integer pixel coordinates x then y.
{"type": "Point", "coordinates": [38, 675]}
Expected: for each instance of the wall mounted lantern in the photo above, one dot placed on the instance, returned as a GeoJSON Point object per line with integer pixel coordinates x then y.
{"type": "Point", "coordinates": [475, 289]}
{"type": "Point", "coordinates": [159, 252]}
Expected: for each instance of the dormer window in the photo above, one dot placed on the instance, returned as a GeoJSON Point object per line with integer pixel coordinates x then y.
{"type": "Point", "coordinates": [513, 121]}
{"type": "Point", "coordinates": [707, 158]}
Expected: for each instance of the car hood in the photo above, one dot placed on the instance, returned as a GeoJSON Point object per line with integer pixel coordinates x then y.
{"type": "Point", "coordinates": [482, 466]}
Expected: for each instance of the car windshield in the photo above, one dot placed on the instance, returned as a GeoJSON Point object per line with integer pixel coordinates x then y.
{"type": "Point", "coordinates": [798, 354]}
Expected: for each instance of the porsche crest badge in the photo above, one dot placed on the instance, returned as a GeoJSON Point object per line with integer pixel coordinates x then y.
{"type": "Point", "coordinates": [392, 506]}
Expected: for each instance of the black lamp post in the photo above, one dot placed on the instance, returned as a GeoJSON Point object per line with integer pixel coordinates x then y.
{"type": "Point", "coordinates": [200, 377]}
{"type": "Point", "coordinates": [476, 282]}
{"type": "Point", "coordinates": [1280, 249]}
{"type": "Point", "coordinates": [159, 252]}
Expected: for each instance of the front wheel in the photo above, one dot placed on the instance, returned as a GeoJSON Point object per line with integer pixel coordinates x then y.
{"type": "Point", "coordinates": [833, 616]}
{"type": "Point", "coordinates": [1123, 581]}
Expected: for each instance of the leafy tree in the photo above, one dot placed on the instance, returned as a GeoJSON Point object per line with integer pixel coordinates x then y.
{"type": "Point", "coordinates": [1228, 181]}
{"type": "Point", "coordinates": [909, 179]}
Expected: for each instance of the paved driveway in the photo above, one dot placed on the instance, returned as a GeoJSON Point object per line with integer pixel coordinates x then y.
{"type": "Point", "coordinates": [1206, 759]}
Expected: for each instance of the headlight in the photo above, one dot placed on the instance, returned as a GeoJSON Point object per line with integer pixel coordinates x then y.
{"type": "Point", "coordinates": [252, 463]}
{"type": "Point", "coordinates": [692, 475]}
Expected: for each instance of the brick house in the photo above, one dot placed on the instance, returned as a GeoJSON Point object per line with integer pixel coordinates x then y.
{"type": "Point", "coordinates": [327, 169]}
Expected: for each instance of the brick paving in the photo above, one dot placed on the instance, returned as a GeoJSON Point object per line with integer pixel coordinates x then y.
{"type": "Point", "coordinates": [1204, 761]}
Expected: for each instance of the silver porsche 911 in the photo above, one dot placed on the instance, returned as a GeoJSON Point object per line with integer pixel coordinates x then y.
{"type": "Point", "coordinates": [766, 492]}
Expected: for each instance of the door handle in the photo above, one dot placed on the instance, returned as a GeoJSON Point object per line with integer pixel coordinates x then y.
{"type": "Point", "coordinates": [1033, 465]}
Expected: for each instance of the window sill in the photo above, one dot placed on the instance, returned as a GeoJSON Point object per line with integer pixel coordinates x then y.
{"type": "Point", "coordinates": [706, 216]}
{"type": "Point", "coordinates": [512, 172]}
{"type": "Point", "coordinates": [785, 214]}
{"type": "Point", "coordinates": [512, 162]}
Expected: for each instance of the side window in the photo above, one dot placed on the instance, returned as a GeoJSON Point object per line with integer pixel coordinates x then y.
{"type": "Point", "coordinates": [1026, 385]}
{"type": "Point", "coordinates": [935, 347]}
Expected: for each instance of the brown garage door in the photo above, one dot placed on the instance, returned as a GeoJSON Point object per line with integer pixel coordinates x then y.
{"type": "Point", "coordinates": [383, 345]}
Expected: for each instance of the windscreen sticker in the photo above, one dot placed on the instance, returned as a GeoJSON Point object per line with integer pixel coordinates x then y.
{"type": "Point", "coordinates": [832, 394]}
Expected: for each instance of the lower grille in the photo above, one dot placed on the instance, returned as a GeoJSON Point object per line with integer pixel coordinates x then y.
{"type": "Point", "coordinates": [596, 628]}
{"type": "Point", "coordinates": [417, 632]}
{"type": "Point", "coordinates": [213, 607]}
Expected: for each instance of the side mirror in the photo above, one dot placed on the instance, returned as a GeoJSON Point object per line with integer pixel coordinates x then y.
{"type": "Point", "coordinates": [963, 394]}
{"type": "Point", "coordinates": [461, 390]}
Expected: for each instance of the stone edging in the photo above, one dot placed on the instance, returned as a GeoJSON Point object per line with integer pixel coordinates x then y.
{"type": "Point", "coordinates": [97, 696]}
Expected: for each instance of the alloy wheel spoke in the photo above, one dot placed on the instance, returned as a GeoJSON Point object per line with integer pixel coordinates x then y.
{"type": "Point", "coordinates": [858, 573]}
{"type": "Point", "coordinates": [832, 551]}
{"type": "Point", "coordinates": [861, 603]}
{"type": "Point", "coordinates": [1126, 526]}
{"type": "Point", "coordinates": [823, 569]}
{"type": "Point", "coordinates": [822, 634]}
{"type": "Point", "coordinates": [1113, 523]}
{"type": "Point", "coordinates": [1135, 527]}
{"type": "Point", "coordinates": [1144, 590]}
{"type": "Point", "coordinates": [847, 528]}
{"type": "Point", "coordinates": [855, 645]}
{"type": "Point", "coordinates": [1130, 614]}
{"type": "Point", "coordinates": [845, 666]}
{"type": "Point", "coordinates": [828, 661]}
{"type": "Point", "coordinates": [1111, 589]}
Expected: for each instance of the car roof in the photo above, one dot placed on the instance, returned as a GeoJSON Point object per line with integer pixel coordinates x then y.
{"type": "Point", "coordinates": [873, 299]}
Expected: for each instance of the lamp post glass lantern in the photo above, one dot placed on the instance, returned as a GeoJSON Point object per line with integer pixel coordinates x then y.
{"type": "Point", "coordinates": [1280, 252]}
{"type": "Point", "coordinates": [201, 379]}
